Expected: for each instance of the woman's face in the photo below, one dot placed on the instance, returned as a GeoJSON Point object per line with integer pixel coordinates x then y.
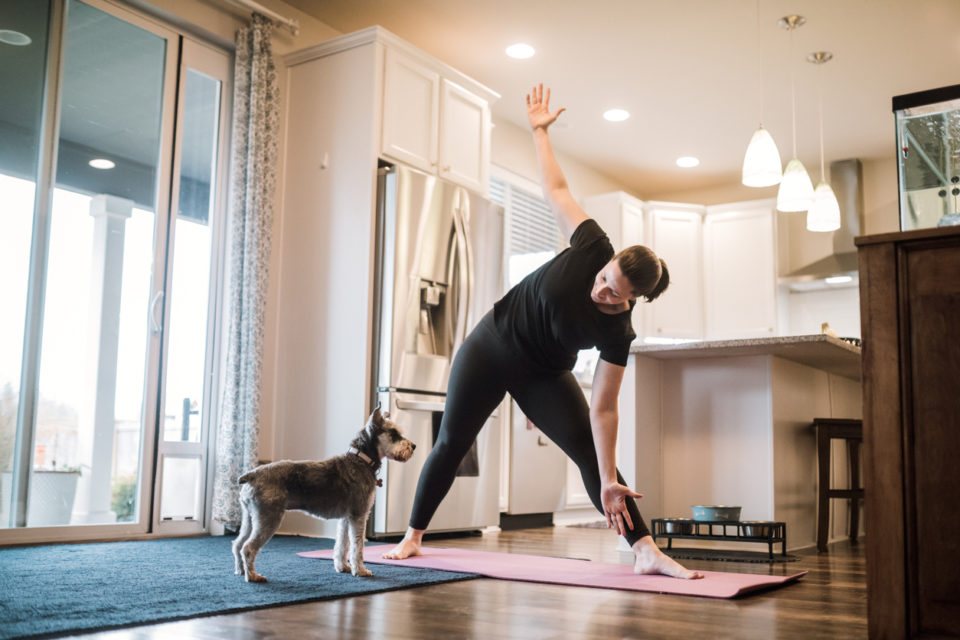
{"type": "Point", "coordinates": [611, 286]}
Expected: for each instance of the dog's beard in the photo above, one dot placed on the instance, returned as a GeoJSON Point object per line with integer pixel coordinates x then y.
{"type": "Point", "coordinates": [401, 455]}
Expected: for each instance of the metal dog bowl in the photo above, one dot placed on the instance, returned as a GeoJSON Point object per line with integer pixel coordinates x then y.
{"type": "Point", "coordinates": [716, 513]}
{"type": "Point", "coordinates": [757, 528]}
{"type": "Point", "coordinates": [679, 526]}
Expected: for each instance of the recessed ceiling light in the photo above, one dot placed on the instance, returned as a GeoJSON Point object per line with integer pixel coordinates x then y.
{"type": "Point", "coordinates": [14, 37]}
{"type": "Point", "coordinates": [687, 161]}
{"type": "Point", "coordinates": [102, 163]}
{"type": "Point", "coordinates": [520, 51]}
{"type": "Point", "coordinates": [616, 115]}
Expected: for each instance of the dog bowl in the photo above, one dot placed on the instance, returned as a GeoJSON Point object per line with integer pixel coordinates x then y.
{"type": "Point", "coordinates": [679, 526]}
{"type": "Point", "coordinates": [757, 528]}
{"type": "Point", "coordinates": [716, 513]}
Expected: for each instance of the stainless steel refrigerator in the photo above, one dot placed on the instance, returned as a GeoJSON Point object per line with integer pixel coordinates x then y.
{"type": "Point", "coordinates": [438, 271]}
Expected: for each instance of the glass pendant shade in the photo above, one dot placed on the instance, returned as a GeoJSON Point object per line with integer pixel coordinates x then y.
{"type": "Point", "coordinates": [761, 164]}
{"type": "Point", "coordinates": [796, 190]}
{"type": "Point", "coordinates": [824, 215]}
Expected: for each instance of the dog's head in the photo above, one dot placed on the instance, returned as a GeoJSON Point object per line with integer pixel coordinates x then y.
{"type": "Point", "coordinates": [389, 440]}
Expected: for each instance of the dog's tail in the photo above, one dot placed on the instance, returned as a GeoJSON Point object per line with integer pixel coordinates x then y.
{"type": "Point", "coordinates": [247, 477]}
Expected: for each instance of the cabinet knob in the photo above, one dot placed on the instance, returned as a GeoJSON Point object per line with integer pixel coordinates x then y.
{"type": "Point", "coordinates": [446, 167]}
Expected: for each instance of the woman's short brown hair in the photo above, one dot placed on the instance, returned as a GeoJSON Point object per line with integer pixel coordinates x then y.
{"type": "Point", "coordinates": [646, 272]}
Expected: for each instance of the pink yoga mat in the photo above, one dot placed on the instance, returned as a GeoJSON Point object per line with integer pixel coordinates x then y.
{"type": "Point", "coordinates": [580, 573]}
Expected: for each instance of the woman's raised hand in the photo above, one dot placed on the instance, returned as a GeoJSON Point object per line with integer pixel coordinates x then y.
{"type": "Point", "coordinates": [538, 108]}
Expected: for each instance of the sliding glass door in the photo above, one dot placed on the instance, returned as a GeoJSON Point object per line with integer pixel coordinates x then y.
{"type": "Point", "coordinates": [112, 241]}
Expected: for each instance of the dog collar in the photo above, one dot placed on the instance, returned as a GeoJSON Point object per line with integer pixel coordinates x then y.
{"type": "Point", "coordinates": [373, 464]}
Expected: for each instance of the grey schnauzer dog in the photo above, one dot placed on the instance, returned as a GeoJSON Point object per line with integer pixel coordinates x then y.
{"type": "Point", "coordinates": [340, 487]}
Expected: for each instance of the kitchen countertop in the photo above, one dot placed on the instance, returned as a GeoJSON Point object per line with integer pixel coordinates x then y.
{"type": "Point", "coordinates": [821, 351]}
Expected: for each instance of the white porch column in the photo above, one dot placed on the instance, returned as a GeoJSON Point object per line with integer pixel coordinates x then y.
{"type": "Point", "coordinates": [97, 425]}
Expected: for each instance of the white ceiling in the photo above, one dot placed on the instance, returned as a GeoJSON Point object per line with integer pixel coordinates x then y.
{"type": "Point", "coordinates": [688, 70]}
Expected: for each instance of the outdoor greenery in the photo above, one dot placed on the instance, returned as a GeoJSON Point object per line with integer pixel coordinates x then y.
{"type": "Point", "coordinates": [8, 426]}
{"type": "Point", "coordinates": [123, 499]}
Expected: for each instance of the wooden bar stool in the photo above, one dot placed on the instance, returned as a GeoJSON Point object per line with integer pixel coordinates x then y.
{"type": "Point", "coordinates": [837, 429]}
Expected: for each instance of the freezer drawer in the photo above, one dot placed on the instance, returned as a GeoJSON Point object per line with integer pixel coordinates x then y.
{"type": "Point", "coordinates": [473, 500]}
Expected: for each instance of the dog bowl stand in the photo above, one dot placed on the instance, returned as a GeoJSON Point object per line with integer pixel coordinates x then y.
{"type": "Point", "coordinates": [724, 530]}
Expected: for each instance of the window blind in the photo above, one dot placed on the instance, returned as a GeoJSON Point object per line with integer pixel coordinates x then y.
{"type": "Point", "coordinates": [533, 236]}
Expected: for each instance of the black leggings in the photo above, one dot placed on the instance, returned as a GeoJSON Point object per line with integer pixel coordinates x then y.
{"type": "Point", "coordinates": [483, 370]}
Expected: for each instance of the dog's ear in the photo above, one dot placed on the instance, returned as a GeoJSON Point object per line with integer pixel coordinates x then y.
{"type": "Point", "coordinates": [377, 417]}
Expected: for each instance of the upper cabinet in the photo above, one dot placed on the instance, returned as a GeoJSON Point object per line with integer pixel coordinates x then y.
{"type": "Point", "coordinates": [676, 236]}
{"type": "Point", "coordinates": [425, 113]}
{"type": "Point", "coordinates": [739, 270]}
{"type": "Point", "coordinates": [433, 122]}
{"type": "Point", "coordinates": [411, 113]}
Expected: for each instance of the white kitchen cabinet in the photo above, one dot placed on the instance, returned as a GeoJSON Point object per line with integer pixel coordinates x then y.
{"type": "Point", "coordinates": [739, 243]}
{"type": "Point", "coordinates": [676, 236]}
{"type": "Point", "coordinates": [431, 121]}
{"type": "Point", "coordinates": [411, 98]}
{"type": "Point", "coordinates": [464, 140]}
{"type": "Point", "coordinates": [620, 215]}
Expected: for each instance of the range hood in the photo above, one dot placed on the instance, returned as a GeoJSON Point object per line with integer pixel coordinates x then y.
{"type": "Point", "coordinates": [846, 178]}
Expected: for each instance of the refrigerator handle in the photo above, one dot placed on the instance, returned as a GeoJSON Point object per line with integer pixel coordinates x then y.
{"type": "Point", "coordinates": [465, 258]}
{"type": "Point", "coordinates": [420, 405]}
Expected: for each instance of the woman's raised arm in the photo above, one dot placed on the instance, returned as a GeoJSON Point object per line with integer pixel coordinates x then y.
{"type": "Point", "coordinates": [568, 213]}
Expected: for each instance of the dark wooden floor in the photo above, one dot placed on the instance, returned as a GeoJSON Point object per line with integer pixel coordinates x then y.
{"type": "Point", "coordinates": [829, 602]}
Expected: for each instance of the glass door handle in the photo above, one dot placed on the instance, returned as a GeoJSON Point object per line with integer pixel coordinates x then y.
{"type": "Point", "coordinates": [154, 323]}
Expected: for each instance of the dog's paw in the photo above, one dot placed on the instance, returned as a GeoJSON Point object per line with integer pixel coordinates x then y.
{"type": "Point", "coordinates": [255, 577]}
{"type": "Point", "coordinates": [342, 567]}
{"type": "Point", "coordinates": [362, 572]}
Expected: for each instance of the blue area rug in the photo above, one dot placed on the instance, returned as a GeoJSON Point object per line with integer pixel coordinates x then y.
{"type": "Point", "coordinates": [51, 590]}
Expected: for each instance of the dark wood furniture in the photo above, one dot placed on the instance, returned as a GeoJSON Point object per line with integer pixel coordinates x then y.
{"type": "Point", "coordinates": [910, 318]}
{"type": "Point", "coordinates": [851, 431]}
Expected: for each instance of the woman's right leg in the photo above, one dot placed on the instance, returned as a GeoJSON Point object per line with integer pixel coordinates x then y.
{"type": "Point", "coordinates": [475, 388]}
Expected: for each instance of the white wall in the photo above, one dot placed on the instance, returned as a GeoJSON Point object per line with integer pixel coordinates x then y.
{"type": "Point", "coordinates": [511, 147]}
{"type": "Point", "coordinates": [805, 311]}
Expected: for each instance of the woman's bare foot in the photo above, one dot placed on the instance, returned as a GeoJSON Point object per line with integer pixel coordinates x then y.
{"type": "Point", "coordinates": [651, 560]}
{"type": "Point", "coordinates": [409, 546]}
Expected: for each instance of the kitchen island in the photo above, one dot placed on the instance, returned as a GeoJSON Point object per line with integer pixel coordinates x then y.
{"type": "Point", "coordinates": [729, 423]}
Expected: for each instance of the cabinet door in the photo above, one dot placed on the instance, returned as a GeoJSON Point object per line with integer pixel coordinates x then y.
{"type": "Point", "coordinates": [678, 313]}
{"type": "Point", "coordinates": [464, 137]}
{"type": "Point", "coordinates": [631, 225]}
{"type": "Point", "coordinates": [411, 94]}
{"type": "Point", "coordinates": [739, 274]}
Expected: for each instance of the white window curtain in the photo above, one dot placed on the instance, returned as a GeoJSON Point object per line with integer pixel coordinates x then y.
{"type": "Point", "coordinates": [253, 178]}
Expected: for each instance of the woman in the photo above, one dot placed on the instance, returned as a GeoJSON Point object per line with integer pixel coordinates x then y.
{"type": "Point", "coordinates": [527, 347]}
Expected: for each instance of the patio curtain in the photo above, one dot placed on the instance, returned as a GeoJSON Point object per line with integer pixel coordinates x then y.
{"type": "Point", "coordinates": [253, 177]}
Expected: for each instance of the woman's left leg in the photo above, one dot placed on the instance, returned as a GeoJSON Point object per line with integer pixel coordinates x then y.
{"type": "Point", "coordinates": [556, 405]}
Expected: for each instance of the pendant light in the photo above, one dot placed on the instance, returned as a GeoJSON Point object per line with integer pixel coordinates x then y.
{"type": "Point", "coordinates": [796, 190]}
{"type": "Point", "coordinates": [761, 164]}
{"type": "Point", "coordinates": [824, 215]}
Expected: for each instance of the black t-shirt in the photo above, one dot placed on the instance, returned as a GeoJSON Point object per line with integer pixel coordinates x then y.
{"type": "Point", "coordinates": [549, 315]}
